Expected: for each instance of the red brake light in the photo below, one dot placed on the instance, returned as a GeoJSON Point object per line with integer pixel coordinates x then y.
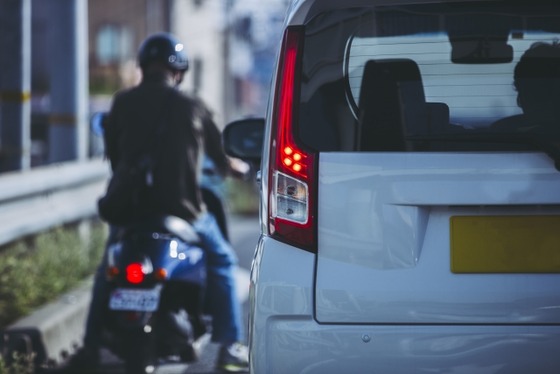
{"type": "Point", "coordinates": [135, 273]}
{"type": "Point", "coordinates": [291, 179]}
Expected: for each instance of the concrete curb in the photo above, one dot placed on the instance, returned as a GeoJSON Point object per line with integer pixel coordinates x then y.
{"type": "Point", "coordinates": [53, 331]}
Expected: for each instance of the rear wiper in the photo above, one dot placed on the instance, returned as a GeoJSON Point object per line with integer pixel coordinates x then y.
{"type": "Point", "coordinates": [536, 141]}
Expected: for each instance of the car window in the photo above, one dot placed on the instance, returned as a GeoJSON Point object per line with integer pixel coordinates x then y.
{"type": "Point", "coordinates": [476, 94]}
{"type": "Point", "coordinates": [451, 70]}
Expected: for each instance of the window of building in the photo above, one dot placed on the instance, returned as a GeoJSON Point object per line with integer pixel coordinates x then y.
{"type": "Point", "coordinates": [113, 44]}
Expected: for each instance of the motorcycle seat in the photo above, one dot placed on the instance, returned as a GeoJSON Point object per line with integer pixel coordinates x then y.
{"type": "Point", "coordinates": [167, 225]}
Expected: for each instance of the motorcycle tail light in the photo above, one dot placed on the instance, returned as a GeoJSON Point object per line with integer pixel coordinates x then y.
{"type": "Point", "coordinates": [135, 273]}
{"type": "Point", "coordinates": [160, 274]}
{"type": "Point", "coordinates": [112, 272]}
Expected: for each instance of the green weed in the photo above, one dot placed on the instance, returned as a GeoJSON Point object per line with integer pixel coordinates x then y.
{"type": "Point", "coordinates": [36, 270]}
{"type": "Point", "coordinates": [242, 197]}
{"type": "Point", "coordinates": [21, 364]}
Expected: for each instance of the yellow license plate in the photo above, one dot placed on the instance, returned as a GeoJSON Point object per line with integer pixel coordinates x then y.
{"type": "Point", "coordinates": [505, 244]}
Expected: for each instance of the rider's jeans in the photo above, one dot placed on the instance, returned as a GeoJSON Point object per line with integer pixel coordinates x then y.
{"type": "Point", "coordinates": [223, 303]}
{"type": "Point", "coordinates": [221, 289]}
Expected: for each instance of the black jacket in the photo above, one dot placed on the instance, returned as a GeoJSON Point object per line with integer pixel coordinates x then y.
{"type": "Point", "coordinates": [156, 116]}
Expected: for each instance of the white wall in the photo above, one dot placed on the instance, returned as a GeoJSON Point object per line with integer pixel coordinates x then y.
{"type": "Point", "coordinates": [201, 28]}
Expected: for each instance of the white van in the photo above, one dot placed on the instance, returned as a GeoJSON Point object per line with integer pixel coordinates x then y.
{"type": "Point", "coordinates": [410, 190]}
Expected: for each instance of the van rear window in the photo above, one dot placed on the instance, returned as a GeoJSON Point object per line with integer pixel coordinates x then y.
{"type": "Point", "coordinates": [418, 78]}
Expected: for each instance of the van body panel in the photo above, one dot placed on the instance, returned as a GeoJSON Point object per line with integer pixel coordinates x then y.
{"type": "Point", "coordinates": [286, 338]}
{"type": "Point", "coordinates": [300, 345]}
{"type": "Point", "coordinates": [384, 237]}
{"type": "Point", "coordinates": [434, 201]}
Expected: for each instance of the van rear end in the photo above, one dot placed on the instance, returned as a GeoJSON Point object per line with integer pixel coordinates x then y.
{"type": "Point", "coordinates": [410, 196]}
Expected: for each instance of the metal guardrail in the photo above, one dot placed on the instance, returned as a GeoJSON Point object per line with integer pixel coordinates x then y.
{"type": "Point", "coordinates": [41, 198]}
{"type": "Point", "coordinates": [37, 200]}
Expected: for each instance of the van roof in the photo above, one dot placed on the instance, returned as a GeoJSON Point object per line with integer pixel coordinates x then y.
{"type": "Point", "coordinates": [300, 11]}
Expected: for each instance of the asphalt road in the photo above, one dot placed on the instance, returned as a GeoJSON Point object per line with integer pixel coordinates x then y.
{"type": "Point", "coordinates": [244, 235]}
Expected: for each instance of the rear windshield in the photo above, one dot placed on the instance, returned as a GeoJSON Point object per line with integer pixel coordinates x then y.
{"type": "Point", "coordinates": [435, 77]}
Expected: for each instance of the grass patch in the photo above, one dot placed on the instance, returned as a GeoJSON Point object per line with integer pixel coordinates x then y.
{"type": "Point", "coordinates": [36, 270]}
{"type": "Point", "coordinates": [20, 364]}
{"type": "Point", "coordinates": [242, 196]}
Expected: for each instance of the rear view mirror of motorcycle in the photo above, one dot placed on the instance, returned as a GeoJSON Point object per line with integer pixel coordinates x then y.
{"type": "Point", "coordinates": [97, 123]}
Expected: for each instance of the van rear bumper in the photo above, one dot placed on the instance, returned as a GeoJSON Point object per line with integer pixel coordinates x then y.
{"type": "Point", "coordinates": [284, 336]}
{"type": "Point", "coordinates": [303, 346]}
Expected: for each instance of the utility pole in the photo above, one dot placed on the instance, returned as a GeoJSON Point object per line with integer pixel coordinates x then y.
{"type": "Point", "coordinates": [69, 89]}
{"type": "Point", "coordinates": [15, 85]}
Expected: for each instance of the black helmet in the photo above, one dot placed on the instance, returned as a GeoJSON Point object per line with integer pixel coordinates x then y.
{"type": "Point", "coordinates": [164, 48]}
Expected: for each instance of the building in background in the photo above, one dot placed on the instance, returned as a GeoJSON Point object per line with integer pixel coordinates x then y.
{"type": "Point", "coordinates": [202, 26]}
{"type": "Point", "coordinates": [231, 45]}
{"type": "Point", "coordinates": [254, 38]}
{"type": "Point", "coordinates": [116, 28]}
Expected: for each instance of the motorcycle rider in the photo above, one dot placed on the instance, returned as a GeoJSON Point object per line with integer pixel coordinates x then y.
{"type": "Point", "coordinates": [133, 115]}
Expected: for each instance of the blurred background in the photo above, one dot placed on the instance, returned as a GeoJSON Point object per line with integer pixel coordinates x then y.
{"type": "Point", "coordinates": [61, 60]}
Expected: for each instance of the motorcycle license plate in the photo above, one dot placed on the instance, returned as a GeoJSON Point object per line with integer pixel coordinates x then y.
{"type": "Point", "coordinates": [134, 299]}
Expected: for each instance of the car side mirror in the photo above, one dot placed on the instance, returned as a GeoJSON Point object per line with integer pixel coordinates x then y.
{"type": "Point", "coordinates": [244, 139]}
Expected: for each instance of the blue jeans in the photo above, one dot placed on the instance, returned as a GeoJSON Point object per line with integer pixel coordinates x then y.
{"type": "Point", "coordinates": [222, 298]}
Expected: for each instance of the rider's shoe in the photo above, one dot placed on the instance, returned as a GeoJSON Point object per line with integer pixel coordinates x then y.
{"type": "Point", "coordinates": [233, 358]}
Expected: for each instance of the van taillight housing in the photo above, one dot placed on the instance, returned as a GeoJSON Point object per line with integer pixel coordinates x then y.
{"type": "Point", "coordinates": [292, 179]}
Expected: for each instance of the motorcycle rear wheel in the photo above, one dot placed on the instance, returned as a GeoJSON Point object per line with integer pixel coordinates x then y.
{"type": "Point", "coordinates": [139, 353]}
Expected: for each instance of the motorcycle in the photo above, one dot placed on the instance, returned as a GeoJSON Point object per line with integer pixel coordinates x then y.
{"type": "Point", "coordinates": [157, 275]}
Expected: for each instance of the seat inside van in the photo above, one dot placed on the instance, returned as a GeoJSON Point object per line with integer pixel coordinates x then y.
{"type": "Point", "coordinates": [392, 105]}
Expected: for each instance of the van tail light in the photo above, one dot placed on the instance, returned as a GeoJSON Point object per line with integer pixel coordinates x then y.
{"type": "Point", "coordinates": [292, 179]}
